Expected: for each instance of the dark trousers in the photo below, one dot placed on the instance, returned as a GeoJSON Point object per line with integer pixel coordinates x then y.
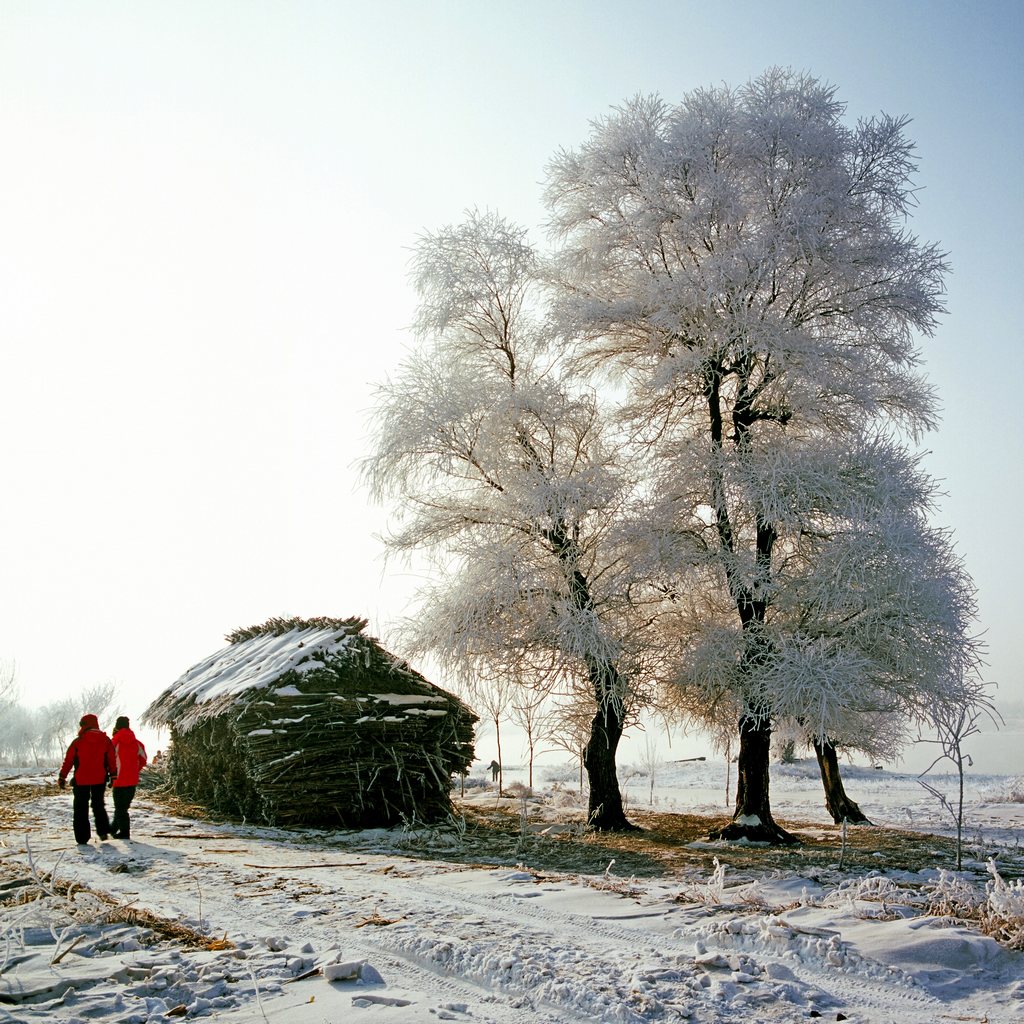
{"type": "Point", "coordinates": [84, 796]}
{"type": "Point", "coordinates": [120, 827]}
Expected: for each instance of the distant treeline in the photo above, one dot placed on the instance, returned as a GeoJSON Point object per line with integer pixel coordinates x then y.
{"type": "Point", "coordinates": [39, 736]}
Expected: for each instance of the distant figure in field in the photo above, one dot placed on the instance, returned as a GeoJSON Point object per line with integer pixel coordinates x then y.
{"type": "Point", "coordinates": [130, 756]}
{"type": "Point", "coordinates": [495, 769]}
{"type": "Point", "coordinates": [91, 754]}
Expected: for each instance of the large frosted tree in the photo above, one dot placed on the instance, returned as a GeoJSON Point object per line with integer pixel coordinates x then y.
{"type": "Point", "coordinates": [867, 630]}
{"type": "Point", "coordinates": [743, 259]}
{"type": "Point", "coordinates": [500, 465]}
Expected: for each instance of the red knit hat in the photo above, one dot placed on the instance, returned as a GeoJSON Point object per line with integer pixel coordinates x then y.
{"type": "Point", "coordinates": [89, 722]}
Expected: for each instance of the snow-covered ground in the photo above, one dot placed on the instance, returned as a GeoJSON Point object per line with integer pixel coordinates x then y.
{"type": "Point", "coordinates": [402, 927]}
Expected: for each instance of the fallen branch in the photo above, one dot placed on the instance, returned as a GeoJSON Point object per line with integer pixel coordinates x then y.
{"type": "Point", "coordinates": [184, 835]}
{"type": "Point", "coordinates": [311, 973]}
{"type": "Point", "coordinates": [306, 867]}
{"type": "Point", "coordinates": [64, 952]}
{"type": "Point", "coordinates": [380, 922]}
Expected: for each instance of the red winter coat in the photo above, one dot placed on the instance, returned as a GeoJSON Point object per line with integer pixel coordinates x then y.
{"type": "Point", "coordinates": [131, 758]}
{"type": "Point", "coordinates": [91, 754]}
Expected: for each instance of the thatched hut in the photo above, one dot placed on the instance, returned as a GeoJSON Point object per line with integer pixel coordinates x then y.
{"type": "Point", "coordinates": [312, 722]}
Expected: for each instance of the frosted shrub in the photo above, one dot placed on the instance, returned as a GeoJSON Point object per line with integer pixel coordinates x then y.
{"type": "Point", "coordinates": [870, 889]}
{"type": "Point", "coordinates": [517, 789]}
{"type": "Point", "coordinates": [562, 798]}
{"type": "Point", "coordinates": [1015, 790]}
{"type": "Point", "coordinates": [997, 912]}
{"type": "Point", "coordinates": [710, 893]}
{"type": "Point", "coordinates": [1005, 906]}
{"type": "Point", "coordinates": [716, 883]}
{"type": "Point", "coordinates": [560, 773]}
{"type": "Point", "coordinates": [953, 897]}
{"type": "Point", "coordinates": [1005, 898]}
{"type": "Point", "coordinates": [417, 835]}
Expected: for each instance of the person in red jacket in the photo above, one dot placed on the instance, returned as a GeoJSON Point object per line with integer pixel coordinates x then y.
{"type": "Point", "coordinates": [91, 754]}
{"type": "Point", "coordinates": [130, 756]}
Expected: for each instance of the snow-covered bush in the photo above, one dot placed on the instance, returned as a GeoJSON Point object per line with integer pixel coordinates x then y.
{"type": "Point", "coordinates": [1015, 791]}
{"type": "Point", "coordinates": [1005, 898]}
{"type": "Point", "coordinates": [998, 911]}
{"type": "Point", "coordinates": [709, 893]}
{"type": "Point", "coordinates": [556, 773]}
{"type": "Point", "coordinates": [517, 789]}
{"type": "Point", "coordinates": [1005, 907]}
{"type": "Point", "coordinates": [562, 797]}
{"type": "Point", "coordinates": [876, 889]}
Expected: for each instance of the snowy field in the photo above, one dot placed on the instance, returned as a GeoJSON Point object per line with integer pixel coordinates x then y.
{"type": "Point", "coordinates": [233, 923]}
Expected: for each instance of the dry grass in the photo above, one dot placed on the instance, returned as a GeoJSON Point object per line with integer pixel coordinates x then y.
{"type": "Point", "coordinates": [168, 929]}
{"type": "Point", "coordinates": [867, 848]}
{"type": "Point", "coordinates": [22, 891]}
{"type": "Point", "coordinates": [668, 844]}
{"type": "Point", "coordinates": [13, 796]}
{"type": "Point", "coordinates": [674, 845]}
{"type": "Point", "coordinates": [182, 808]}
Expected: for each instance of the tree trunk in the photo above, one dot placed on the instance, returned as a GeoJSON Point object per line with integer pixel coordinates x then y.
{"type": "Point", "coordinates": [497, 737]}
{"type": "Point", "coordinates": [838, 804]}
{"type": "Point", "coordinates": [605, 812]}
{"type": "Point", "coordinates": [753, 819]}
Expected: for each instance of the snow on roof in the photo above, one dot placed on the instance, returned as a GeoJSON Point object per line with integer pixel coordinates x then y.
{"type": "Point", "coordinates": [405, 698]}
{"type": "Point", "coordinates": [256, 663]}
{"type": "Point", "coordinates": [263, 664]}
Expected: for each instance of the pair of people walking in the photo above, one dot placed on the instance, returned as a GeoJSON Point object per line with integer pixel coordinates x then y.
{"type": "Point", "coordinates": [98, 760]}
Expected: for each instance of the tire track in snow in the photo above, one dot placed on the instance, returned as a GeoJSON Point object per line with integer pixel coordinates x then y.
{"type": "Point", "coordinates": [327, 927]}
{"type": "Point", "coordinates": [473, 968]}
{"type": "Point", "coordinates": [845, 979]}
{"type": "Point", "coordinates": [131, 873]}
{"type": "Point", "coordinates": [543, 973]}
{"type": "Point", "coordinates": [541, 981]}
{"type": "Point", "coordinates": [576, 981]}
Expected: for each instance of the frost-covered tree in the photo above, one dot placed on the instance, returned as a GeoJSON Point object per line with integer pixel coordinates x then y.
{"type": "Point", "coordinates": [8, 683]}
{"type": "Point", "coordinates": [19, 736]}
{"type": "Point", "coordinates": [503, 472]}
{"type": "Point", "coordinates": [867, 630]}
{"type": "Point", "coordinates": [530, 713]}
{"type": "Point", "coordinates": [16, 727]}
{"type": "Point", "coordinates": [100, 699]}
{"type": "Point", "coordinates": [569, 730]}
{"type": "Point", "coordinates": [954, 724]}
{"type": "Point", "coordinates": [58, 723]}
{"type": "Point", "coordinates": [743, 259]}
{"type": "Point", "coordinates": [492, 695]}
{"type": "Point", "coordinates": [40, 734]}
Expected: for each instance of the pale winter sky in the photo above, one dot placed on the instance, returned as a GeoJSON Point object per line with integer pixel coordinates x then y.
{"type": "Point", "coordinates": [206, 211]}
